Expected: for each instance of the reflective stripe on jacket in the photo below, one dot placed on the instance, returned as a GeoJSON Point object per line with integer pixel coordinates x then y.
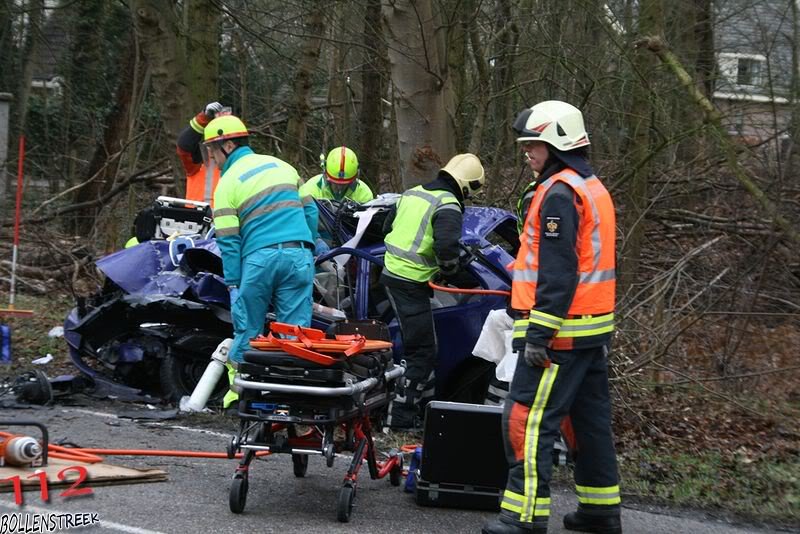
{"type": "Point", "coordinates": [317, 187]}
{"type": "Point", "coordinates": [200, 186]}
{"type": "Point", "coordinates": [523, 204]}
{"type": "Point", "coordinates": [590, 317]}
{"type": "Point", "coordinates": [409, 246]}
{"type": "Point", "coordinates": [257, 204]}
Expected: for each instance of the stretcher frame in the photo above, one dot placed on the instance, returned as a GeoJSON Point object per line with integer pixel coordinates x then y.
{"type": "Point", "coordinates": [267, 408]}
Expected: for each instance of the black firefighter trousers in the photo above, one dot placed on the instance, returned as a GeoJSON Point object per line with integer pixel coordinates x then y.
{"type": "Point", "coordinates": [412, 308]}
{"type": "Point", "coordinates": [576, 383]}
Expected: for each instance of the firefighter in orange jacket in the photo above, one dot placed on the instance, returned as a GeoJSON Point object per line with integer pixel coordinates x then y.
{"type": "Point", "coordinates": [564, 284]}
{"type": "Point", "coordinates": [202, 174]}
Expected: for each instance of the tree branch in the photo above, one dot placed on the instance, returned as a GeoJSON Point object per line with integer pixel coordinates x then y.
{"type": "Point", "coordinates": [714, 118]}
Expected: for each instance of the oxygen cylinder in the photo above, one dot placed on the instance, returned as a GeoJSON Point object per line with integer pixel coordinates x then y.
{"type": "Point", "coordinates": [20, 450]}
{"type": "Point", "coordinates": [210, 377]}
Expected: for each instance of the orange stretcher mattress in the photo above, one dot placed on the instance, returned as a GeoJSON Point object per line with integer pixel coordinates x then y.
{"type": "Point", "coordinates": [331, 346]}
{"type": "Point", "coordinates": [311, 344]}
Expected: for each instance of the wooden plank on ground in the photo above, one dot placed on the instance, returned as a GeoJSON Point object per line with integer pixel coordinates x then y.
{"type": "Point", "coordinates": [100, 474]}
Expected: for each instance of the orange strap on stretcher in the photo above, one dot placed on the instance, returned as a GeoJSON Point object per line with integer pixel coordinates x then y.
{"type": "Point", "coordinates": [311, 343]}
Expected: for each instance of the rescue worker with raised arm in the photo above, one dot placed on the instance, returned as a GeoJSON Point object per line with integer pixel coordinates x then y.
{"type": "Point", "coordinates": [564, 282]}
{"type": "Point", "coordinates": [340, 179]}
{"type": "Point", "coordinates": [424, 241]}
{"type": "Point", "coordinates": [202, 175]}
{"type": "Point", "coordinates": [265, 233]}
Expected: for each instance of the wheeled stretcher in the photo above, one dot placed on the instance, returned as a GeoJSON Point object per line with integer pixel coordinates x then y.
{"type": "Point", "coordinates": [314, 395]}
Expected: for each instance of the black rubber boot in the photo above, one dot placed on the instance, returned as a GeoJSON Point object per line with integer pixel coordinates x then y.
{"type": "Point", "coordinates": [498, 526]}
{"type": "Point", "coordinates": [599, 524]}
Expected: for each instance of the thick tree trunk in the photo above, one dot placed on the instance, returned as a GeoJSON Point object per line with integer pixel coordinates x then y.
{"type": "Point", "coordinates": [338, 97]}
{"type": "Point", "coordinates": [107, 156]}
{"type": "Point", "coordinates": [203, 24]}
{"type": "Point", "coordinates": [19, 112]}
{"type": "Point", "coordinates": [372, 91]}
{"type": "Point", "coordinates": [296, 130]}
{"type": "Point", "coordinates": [483, 79]}
{"type": "Point", "coordinates": [35, 10]}
{"type": "Point", "coordinates": [84, 77]}
{"type": "Point", "coordinates": [423, 97]}
{"type": "Point", "coordinates": [8, 58]}
{"type": "Point", "coordinates": [505, 55]}
{"type": "Point", "coordinates": [458, 15]}
{"type": "Point", "coordinates": [504, 52]}
{"type": "Point", "coordinates": [706, 63]}
{"type": "Point", "coordinates": [651, 22]}
{"type": "Point", "coordinates": [8, 69]}
{"type": "Point", "coordinates": [794, 95]}
{"type": "Point", "coordinates": [158, 27]}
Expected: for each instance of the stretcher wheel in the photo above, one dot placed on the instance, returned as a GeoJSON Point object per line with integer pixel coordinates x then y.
{"type": "Point", "coordinates": [345, 507]}
{"type": "Point", "coordinates": [329, 452]}
{"type": "Point", "coordinates": [238, 495]}
{"type": "Point", "coordinates": [300, 464]}
{"type": "Point", "coordinates": [232, 446]}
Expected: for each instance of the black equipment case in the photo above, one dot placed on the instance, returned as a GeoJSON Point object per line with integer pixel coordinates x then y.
{"type": "Point", "coordinates": [168, 216]}
{"type": "Point", "coordinates": [463, 461]}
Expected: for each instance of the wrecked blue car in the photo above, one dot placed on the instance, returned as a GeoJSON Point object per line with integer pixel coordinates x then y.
{"type": "Point", "coordinates": [164, 308]}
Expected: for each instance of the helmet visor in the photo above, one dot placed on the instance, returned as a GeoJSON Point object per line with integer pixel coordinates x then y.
{"type": "Point", "coordinates": [339, 181]}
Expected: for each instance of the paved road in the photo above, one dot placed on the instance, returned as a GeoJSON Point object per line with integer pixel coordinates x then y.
{"type": "Point", "coordinates": [195, 498]}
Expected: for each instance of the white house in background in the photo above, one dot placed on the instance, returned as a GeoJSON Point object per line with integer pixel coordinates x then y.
{"type": "Point", "coordinates": [753, 40]}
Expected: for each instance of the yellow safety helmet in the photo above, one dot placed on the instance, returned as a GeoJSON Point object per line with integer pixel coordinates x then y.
{"type": "Point", "coordinates": [223, 128]}
{"type": "Point", "coordinates": [341, 166]}
{"type": "Point", "coordinates": [467, 171]}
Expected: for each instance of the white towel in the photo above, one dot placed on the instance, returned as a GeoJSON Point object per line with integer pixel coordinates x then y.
{"type": "Point", "coordinates": [494, 344]}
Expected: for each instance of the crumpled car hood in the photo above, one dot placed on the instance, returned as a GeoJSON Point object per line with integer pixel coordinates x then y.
{"type": "Point", "coordinates": [147, 269]}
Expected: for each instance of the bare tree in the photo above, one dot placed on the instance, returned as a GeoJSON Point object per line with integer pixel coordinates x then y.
{"type": "Point", "coordinates": [159, 28]}
{"type": "Point", "coordinates": [35, 11]}
{"type": "Point", "coordinates": [651, 22]}
{"type": "Point", "coordinates": [423, 96]}
{"type": "Point", "coordinates": [296, 129]}
{"type": "Point", "coordinates": [107, 157]}
{"type": "Point", "coordinates": [373, 88]}
{"type": "Point", "coordinates": [203, 24]}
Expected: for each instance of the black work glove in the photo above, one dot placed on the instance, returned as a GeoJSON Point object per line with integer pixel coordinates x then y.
{"type": "Point", "coordinates": [536, 355]}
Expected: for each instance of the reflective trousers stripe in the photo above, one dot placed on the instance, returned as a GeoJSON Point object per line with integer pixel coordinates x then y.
{"type": "Point", "coordinates": [532, 441]}
{"type": "Point", "coordinates": [514, 502]}
{"type": "Point", "coordinates": [603, 496]}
